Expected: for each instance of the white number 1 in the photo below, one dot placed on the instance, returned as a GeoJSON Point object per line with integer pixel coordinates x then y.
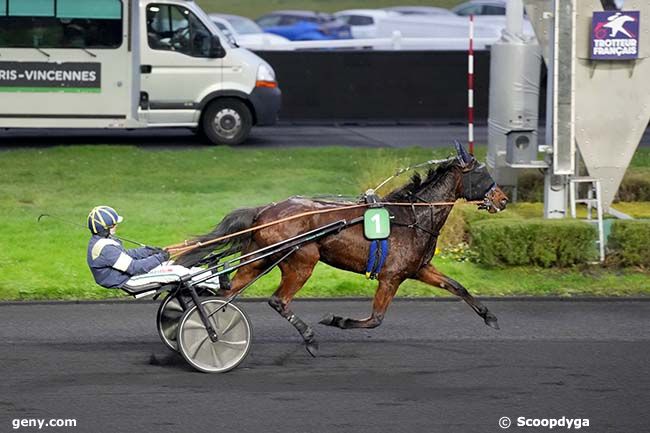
{"type": "Point", "coordinates": [377, 220]}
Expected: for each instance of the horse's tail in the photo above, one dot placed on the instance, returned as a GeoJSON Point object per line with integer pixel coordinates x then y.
{"type": "Point", "coordinates": [235, 221]}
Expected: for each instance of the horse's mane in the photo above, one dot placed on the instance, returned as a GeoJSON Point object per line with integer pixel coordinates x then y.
{"type": "Point", "coordinates": [338, 199]}
{"type": "Point", "coordinates": [417, 184]}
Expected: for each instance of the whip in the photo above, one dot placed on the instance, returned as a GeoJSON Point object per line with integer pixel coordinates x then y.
{"type": "Point", "coordinates": [43, 215]}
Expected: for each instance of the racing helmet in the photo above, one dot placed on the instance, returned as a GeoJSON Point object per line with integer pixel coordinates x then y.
{"type": "Point", "coordinates": [101, 219]}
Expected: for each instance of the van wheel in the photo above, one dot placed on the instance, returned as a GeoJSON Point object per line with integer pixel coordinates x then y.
{"type": "Point", "coordinates": [227, 121]}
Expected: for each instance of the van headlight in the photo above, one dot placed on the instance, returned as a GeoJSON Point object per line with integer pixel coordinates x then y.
{"type": "Point", "coordinates": [265, 76]}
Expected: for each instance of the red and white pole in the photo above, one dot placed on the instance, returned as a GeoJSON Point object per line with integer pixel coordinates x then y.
{"type": "Point", "coordinates": [470, 87]}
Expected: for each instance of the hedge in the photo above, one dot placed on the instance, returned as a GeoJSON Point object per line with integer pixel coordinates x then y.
{"type": "Point", "coordinates": [629, 243]}
{"type": "Point", "coordinates": [634, 187]}
{"type": "Point", "coordinates": [546, 243]}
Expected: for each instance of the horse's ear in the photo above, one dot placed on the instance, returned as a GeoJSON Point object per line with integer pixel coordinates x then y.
{"type": "Point", "coordinates": [465, 158]}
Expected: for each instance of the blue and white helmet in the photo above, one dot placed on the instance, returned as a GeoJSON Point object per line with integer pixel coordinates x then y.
{"type": "Point", "coordinates": [101, 219]}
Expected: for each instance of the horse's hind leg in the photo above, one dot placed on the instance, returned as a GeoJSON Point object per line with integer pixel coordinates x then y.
{"type": "Point", "coordinates": [296, 270]}
{"type": "Point", "coordinates": [430, 275]}
{"type": "Point", "coordinates": [383, 296]}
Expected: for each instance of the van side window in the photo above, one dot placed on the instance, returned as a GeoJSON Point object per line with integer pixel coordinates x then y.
{"type": "Point", "coordinates": [61, 24]}
{"type": "Point", "coordinates": [174, 28]}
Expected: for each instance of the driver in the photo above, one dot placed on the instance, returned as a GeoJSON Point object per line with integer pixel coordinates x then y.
{"type": "Point", "coordinates": [113, 266]}
{"type": "Point", "coordinates": [110, 263]}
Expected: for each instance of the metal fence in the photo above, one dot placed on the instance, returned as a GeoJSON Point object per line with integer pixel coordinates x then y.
{"type": "Point", "coordinates": [379, 85]}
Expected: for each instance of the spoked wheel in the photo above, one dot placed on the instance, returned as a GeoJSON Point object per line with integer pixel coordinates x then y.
{"type": "Point", "coordinates": [169, 314]}
{"type": "Point", "coordinates": [234, 331]}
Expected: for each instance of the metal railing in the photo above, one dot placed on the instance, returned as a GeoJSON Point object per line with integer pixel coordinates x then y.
{"type": "Point", "coordinates": [396, 42]}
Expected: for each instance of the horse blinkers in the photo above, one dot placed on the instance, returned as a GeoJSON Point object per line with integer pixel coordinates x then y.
{"type": "Point", "coordinates": [479, 185]}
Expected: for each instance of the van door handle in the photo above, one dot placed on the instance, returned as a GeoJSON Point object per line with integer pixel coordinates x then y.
{"type": "Point", "coordinates": [145, 69]}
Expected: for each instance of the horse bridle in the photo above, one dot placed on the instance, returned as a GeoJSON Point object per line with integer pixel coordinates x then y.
{"type": "Point", "coordinates": [485, 185]}
{"type": "Point", "coordinates": [477, 190]}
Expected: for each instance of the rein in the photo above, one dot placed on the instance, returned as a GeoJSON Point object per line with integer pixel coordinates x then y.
{"type": "Point", "coordinates": [186, 246]}
{"type": "Point", "coordinates": [411, 167]}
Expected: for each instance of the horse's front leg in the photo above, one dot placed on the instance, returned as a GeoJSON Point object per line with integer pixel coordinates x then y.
{"type": "Point", "coordinates": [383, 296]}
{"type": "Point", "coordinates": [430, 275]}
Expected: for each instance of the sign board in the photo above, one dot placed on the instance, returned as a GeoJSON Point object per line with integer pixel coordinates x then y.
{"type": "Point", "coordinates": [50, 77]}
{"type": "Point", "coordinates": [615, 35]}
{"type": "Point", "coordinates": [376, 223]}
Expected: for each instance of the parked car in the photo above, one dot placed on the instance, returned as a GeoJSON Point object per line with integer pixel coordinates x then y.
{"type": "Point", "coordinates": [245, 32]}
{"type": "Point", "coordinates": [489, 12]}
{"type": "Point", "coordinates": [363, 22]}
{"type": "Point", "coordinates": [441, 27]}
{"type": "Point", "coordinates": [480, 7]}
{"type": "Point", "coordinates": [419, 10]}
{"type": "Point", "coordinates": [304, 25]}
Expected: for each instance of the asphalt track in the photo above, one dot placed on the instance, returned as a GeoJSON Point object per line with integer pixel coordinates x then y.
{"type": "Point", "coordinates": [431, 367]}
{"type": "Point", "coordinates": [283, 135]}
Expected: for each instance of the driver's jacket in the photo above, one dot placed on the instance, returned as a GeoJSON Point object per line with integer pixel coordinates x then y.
{"type": "Point", "coordinates": [112, 265]}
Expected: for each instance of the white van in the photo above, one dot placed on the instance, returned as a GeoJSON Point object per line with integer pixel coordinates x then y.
{"type": "Point", "coordinates": [129, 64]}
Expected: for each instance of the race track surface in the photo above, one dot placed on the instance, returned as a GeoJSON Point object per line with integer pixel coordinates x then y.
{"type": "Point", "coordinates": [433, 366]}
{"type": "Point", "coordinates": [281, 136]}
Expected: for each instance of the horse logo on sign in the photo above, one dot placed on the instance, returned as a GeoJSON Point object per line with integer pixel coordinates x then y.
{"type": "Point", "coordinates": [615, 35]}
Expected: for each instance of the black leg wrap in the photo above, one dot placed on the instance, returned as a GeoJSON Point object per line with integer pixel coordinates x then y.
{"type": "Point", "coordinates": [481, 311]}
{"type": "Point", "coordinates": [305, 330]}
{"type": "Point", "coordinates": [343, 323]}
{"type": "Point", "coordinates": [332, 320]}
{"type": "Point", "coordinates": [491, 320]}
{"type": "Point", "coordinates": [276, 304]}
{"type": "Point", "coordinates": [327, 319]}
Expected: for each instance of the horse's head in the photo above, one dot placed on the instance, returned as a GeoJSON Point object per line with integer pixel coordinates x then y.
{"type": "Point", "coordinates": [478, 184]}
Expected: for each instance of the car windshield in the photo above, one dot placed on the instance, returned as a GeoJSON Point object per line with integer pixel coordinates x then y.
{"type": "Point", "coordinates": [244, 26]}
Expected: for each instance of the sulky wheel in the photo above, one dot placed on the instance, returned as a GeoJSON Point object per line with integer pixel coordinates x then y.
{"type": "Point", "coordinates": [234, 331]}
{"type": "Point", "coordinates": [169, 313]}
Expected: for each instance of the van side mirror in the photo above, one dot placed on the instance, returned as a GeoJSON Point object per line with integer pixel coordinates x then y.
{"type": "Point", "coordinates": [216, 49]}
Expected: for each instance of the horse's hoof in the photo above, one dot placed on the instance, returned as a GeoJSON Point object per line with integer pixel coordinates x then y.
{"type": "Point", "coordinates": [312, 348]}
{"type": "Point", "coordinates": [327, 320]}
{"type": "Point", "coordinates": [491, 320]}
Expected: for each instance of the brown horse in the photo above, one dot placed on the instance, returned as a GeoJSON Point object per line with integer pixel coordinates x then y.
{"type": "Point", "coordinates": [412, 240]}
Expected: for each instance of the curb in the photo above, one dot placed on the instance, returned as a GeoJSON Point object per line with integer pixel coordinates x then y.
{"type": "Point", "coordinates": [359, 299]}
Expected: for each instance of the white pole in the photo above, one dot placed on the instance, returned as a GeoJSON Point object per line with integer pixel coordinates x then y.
{"type": "Point", "coordinates": [515, 17]}
{"type": "Point", "coordinates": [470, 87]}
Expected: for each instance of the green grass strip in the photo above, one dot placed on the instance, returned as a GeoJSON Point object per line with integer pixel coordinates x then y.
{"type": "Point", "coordinates": [170, 195]}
